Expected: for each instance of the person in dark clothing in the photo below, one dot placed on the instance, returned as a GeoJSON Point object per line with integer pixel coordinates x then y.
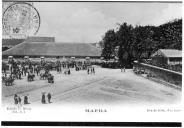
{"type": "Point", "coordinates": [19, 100]}
{"type": "Point", "coordinates": [22, 70]}
{"type": "Point", "coordinates": [43, 99]}
{"type": "Point", "coordinates": [26, 100]}
{"type": "Point", "coordinates": [16, 99]}
{"type": "Point", "coordinates": [19, 74]}
{"type": "Point", "coordinates": [49, 97]}
{"type": "Point", "coordinates": [93, 70]}
{"type": "Point", "coordinates": [88, 70]}
{"type": "Point", "coordinates": [37, 70]}
{"type": "Point", "coordinates": [50, 78]}
{"type": "Point", "coordinates": [4, 67]}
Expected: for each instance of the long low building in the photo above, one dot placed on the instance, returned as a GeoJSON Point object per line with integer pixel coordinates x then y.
{"type": "Point", "coordinates": [53, 49]}
{"type": "Point", "coordinates": [167, 56]}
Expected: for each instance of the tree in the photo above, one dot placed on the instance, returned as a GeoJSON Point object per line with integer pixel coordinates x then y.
{"type": "Point", "coordinates": [109, 44]}
{"type": "Point", "coordinates": [170, 35]}
{"type": "Point", "coordinates": [136, 43]}
{"type": "Point", "coordinates": [144, 45]}
{"type": "Point", "coordinates": [125, 37]}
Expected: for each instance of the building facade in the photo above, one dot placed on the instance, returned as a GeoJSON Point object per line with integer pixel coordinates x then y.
{"type": "Point", "coordinates": [167, 57]}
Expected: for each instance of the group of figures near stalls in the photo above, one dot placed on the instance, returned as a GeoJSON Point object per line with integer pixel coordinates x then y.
{"type": "Point", "coordinates": [16, 69]}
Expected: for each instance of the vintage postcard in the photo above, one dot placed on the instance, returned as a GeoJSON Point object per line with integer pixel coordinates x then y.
{"type": "Point", "coordinates": [99, 63]}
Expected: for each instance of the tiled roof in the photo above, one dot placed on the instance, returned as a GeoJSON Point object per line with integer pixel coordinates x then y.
{"type": "Point", "coordinates": [53, 49]}
{"type": "Point", "coordinates": [170, 53]}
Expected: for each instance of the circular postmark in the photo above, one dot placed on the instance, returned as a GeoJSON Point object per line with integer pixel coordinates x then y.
{"type": "Point", "coordinates": [21, 19]}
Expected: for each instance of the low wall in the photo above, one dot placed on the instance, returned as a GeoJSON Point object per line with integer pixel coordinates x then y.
{"type": "Point", "coordinates": [160, 73]}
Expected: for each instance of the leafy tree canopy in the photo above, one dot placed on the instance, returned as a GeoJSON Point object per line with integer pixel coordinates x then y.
{"type": "Point", "coordinates": [140, 42]}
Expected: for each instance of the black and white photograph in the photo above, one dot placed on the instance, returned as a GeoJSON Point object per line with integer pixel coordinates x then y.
{"type": "Point", "coordinates": [102, 61]}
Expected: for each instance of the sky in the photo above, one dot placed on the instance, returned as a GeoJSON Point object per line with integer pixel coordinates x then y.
{"type": "Point", "coordinates": [87, 22]}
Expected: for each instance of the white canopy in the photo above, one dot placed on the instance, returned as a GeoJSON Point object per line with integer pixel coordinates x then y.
{"type": "Point", "coordinates": [26, 57]}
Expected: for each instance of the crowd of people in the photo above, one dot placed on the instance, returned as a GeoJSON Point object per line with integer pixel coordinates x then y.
{"type": "Point", "coordinates": [15, 69]}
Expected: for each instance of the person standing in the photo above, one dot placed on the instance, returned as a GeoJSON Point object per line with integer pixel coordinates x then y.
{"type": "Point", "coordinates": [19, 74]}
{"type": "Point", "coordinates": [69, 71]}
{"type": "Point", "coordinates": [26, 100]}
{"type": "Point", "coordinates": [4, 67]}
{"type": "Point", "coordinates": [25, 71]}
{"type": "Point", "coordinates": [58, 66]}
{"type": "Point", "coordinates": [49, 97]}
{"type": "Point", "coordinates": [88, 70]}
{"type": "Point", "coordinates": [23, 68]}
{"type": "Point", "coordinates": [43, 99]}
{"type": "Point", "coordinates": [15, 99]}
{"type": "Point", "coordinates": [19, 100]}
{"type": "Point", "coordinates": [93, 70]}
{"type": "Point", "coordinates": [36, 69]}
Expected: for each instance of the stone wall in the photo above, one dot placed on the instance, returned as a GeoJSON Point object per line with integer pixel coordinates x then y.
{"type": "Point", "coordinates": [159, 73]}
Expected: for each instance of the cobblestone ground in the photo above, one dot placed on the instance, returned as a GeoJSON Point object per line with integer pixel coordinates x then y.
{"type": "Point", "coordinates": [106, 86]}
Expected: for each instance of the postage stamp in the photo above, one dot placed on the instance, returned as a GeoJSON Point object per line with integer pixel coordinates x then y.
{"type": "Point", "coordinates": [20, 19]}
